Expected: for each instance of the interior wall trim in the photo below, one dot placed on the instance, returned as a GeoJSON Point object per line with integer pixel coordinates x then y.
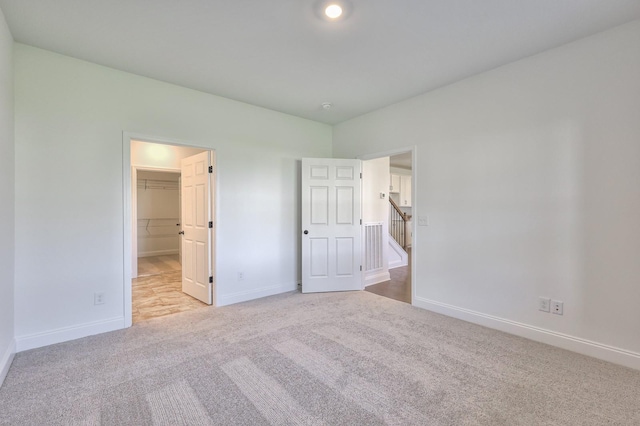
{"type": "Point", "coordinates": [244, 296]}
{"type": "Point", "coordinates": [64, 334]}
{"type": "Point", "coordinates": [376, 277]}
{"type": "Point", "coordinates": [6, 360]}
{"type": "Point", "coordinates": [575, 344]}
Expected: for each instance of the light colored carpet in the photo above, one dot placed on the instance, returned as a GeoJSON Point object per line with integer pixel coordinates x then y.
{"type": "Point", "coordinates": [337, 359]}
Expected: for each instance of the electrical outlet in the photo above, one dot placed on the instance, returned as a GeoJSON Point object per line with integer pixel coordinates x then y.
{"type": "Point", "coordinates": [557, 307]}
{"type": "Point", "coordinates": [240, 276]}
{"type": "Point", "coordinates": [98, 298]}
{"type": "Point", "coordinates": [544, 304]}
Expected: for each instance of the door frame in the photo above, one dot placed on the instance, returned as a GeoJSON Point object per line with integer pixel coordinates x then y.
{"type": "Point", "coordinates": [414, 210]}
{"type": "Point", "coordinates": [127, 213]}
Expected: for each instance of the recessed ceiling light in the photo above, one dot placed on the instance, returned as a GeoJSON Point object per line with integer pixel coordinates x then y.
{"type": "Point", "coordinates": [333, 11]}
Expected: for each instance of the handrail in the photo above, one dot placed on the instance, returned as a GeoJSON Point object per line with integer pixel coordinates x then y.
{"type": "Point", "coordinates": [397, 209]}
{"type": "Point", "coordinates": [398, 230]}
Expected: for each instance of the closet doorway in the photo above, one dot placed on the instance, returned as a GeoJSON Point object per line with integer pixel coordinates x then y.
{"type": "Point", "coordinates": [158, 222]}
{"type": "Point", "coordinates": [171, 193]}
{"type": "Point", "coordinates": [156, 291]}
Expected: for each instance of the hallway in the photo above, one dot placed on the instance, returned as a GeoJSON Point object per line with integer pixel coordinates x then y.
{"type": "Point", "coordinates": [399, 287]}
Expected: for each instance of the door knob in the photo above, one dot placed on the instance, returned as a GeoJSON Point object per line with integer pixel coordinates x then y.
{"type": "Point", "coordinates": [306, 232]}
{"type": "Point", "coordinates": [181, 233]}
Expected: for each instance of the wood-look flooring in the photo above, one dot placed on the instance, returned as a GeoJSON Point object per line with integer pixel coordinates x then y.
{"type": "Point", "coordinates": [154, 265]}
{"type": "Point", "coordinates": [158, 289]}
{"type": "Point", "coordinates": [399, 287]}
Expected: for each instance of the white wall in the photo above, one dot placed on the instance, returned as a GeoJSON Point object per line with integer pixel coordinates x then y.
{"type": "Point", "coordinates": [375, 180]}
{"type": "Point", "coordinates": [529, 175]}
{"type": "Point", "coordinates": [7, 195]}
{"type": "Point", "coordinates": [70, 116]}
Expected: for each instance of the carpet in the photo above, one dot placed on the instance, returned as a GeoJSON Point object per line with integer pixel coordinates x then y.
{"type": "Point", "coordinates": [320, 359]}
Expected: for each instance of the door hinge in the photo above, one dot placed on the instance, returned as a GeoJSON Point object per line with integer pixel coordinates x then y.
{"type": "Point", "coordinates": [360, 221]}
{"type": "Point", "coordinates": [361, 267]}
{"type": "Point", "coordinates": [210, 280]}
{"type": "Point", "coordinates": [210, 169]}
{"type": "Point", "coordinates": [210, 224]}
{"type": "Point", "coordinates": [360, 175]}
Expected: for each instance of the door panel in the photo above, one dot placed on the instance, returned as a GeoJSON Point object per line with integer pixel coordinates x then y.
{"type": "Point", "coordinates": [319, 200]}
{"type": "Point", "coordinates": [344, 256]}
{"type": "Point", "coordinates": [344, 205]}
{"type": "Point", "coordinates": [331, 213]}
{"type": "Point", "coordinates": [319, 248]}
{"type": "Point", "coordinates": [197, 209]}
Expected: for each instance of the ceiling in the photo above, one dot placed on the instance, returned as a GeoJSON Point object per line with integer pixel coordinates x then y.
{"type": "Point", "coordinates": [281, 55]}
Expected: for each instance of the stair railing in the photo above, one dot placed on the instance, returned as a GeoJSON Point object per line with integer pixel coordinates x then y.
{"type": "Point", "coordinates": [398, 224]}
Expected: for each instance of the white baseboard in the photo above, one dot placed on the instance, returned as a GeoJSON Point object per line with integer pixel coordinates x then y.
{"type": "Point", "coordinates": [396, 264]}
{"type": "Point", "coordinates": [6, 360]}
{"type": "Point", "coordinates": [157, 253]}
{"type": "Point", "coordinates": [398, 255]}
{"type": "Point", "coordinates": [51, 337]}
{"type": "Point", "coordinates": [575, 344]}
{"type": "Point", "coordinates": [244, 296]}
{"type": "Point", "coordinates": [376, 277]}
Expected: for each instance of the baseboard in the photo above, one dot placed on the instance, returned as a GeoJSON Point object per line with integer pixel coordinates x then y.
{"type": "Point", "coordinates": [402, 258]}
{"type": "Point", "coordinates": [396, 264]}
{"type": "Point", "coordinates": [51, 337]}
{"type": "Point", "coordinates": [244, 296]}
{"type": "Point", "coordinates": [157, 253]}
{"type": "Point", "coordinates": [575, 344]}
{"type": "Point", "coordinates": [6, 360]}
{"type": "Point", "coordinates": [375, 278]}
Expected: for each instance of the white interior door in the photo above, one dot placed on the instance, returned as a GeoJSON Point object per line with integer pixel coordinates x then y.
{"type": "Point", "coordinates": [331, 224]}
{"type": "Point", "coordinates": [180, 217]}
{"type": "Point", "coordinates": [196, 183]}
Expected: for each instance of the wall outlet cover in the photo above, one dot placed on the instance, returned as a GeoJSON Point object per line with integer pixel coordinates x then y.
{"type": "Point", "coordinates": [423, 220]}
{"type": "Point", "coordinates": [557, 307]}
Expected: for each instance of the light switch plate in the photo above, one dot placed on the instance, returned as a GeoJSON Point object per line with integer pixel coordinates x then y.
{"type": "Point", "coordinates": [544, 304]}
{"type": "Point", "coordinates": [423, 220]}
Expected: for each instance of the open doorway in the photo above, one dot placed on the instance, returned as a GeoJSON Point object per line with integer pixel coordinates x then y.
{"type": "Point", "coordinates": [172, 239]}
{"type": "Point", "coordinates": [158, 222]}
{"type": "Point", "coordinates": [389, 188]}
{"type": "Point", "coordinates": [157, 290]}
